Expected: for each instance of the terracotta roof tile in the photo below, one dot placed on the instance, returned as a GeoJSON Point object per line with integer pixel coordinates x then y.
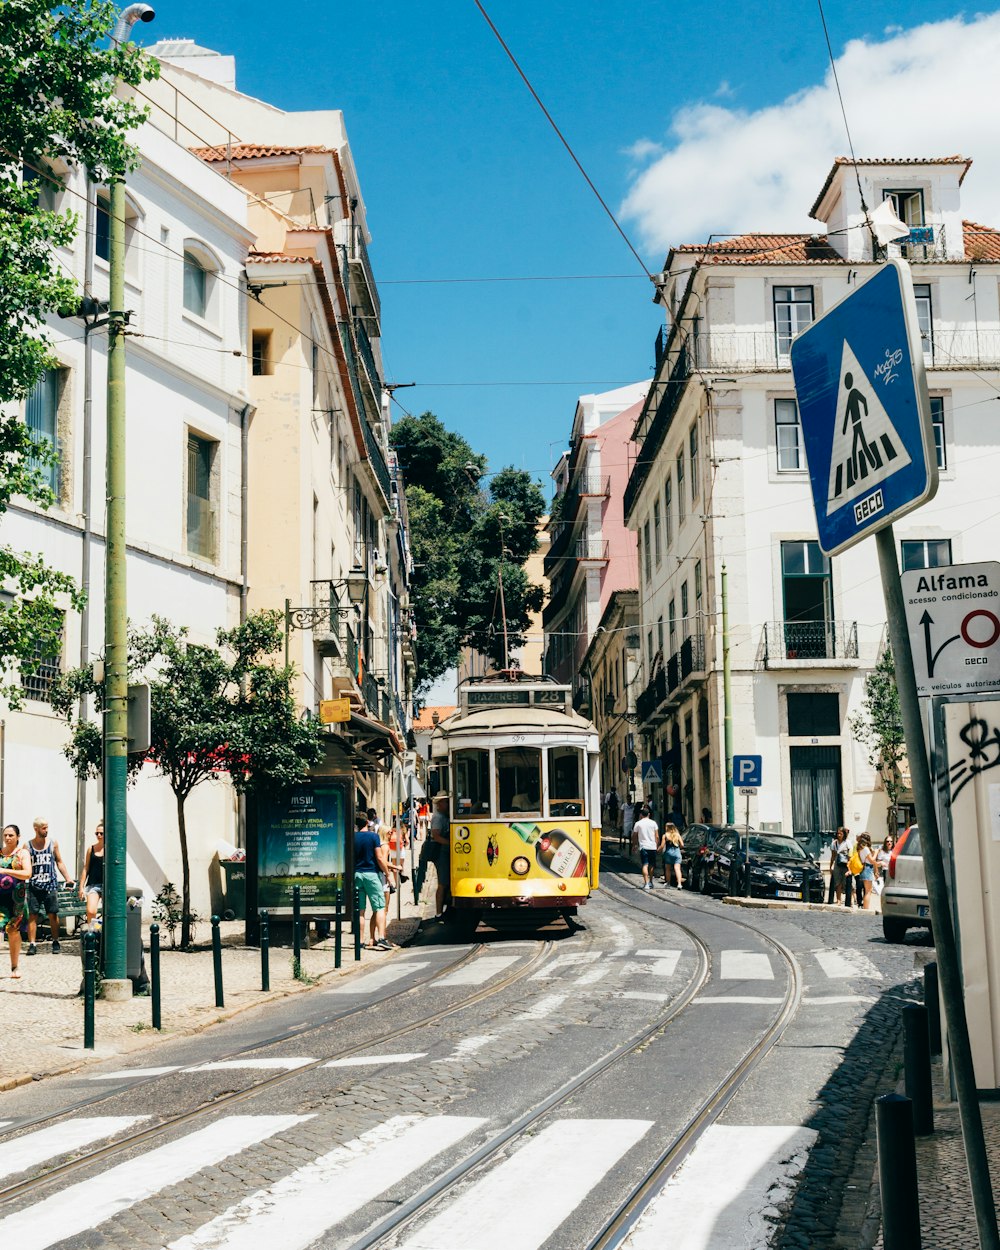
{"type": "Point", "coordinates": [766, 249]}
{"type": "Point", "coordinates": [981, 242]}
{"type": "Point", "coordinates": [890, 160]}
{"type": "Point", "coordinates": [252, 151]}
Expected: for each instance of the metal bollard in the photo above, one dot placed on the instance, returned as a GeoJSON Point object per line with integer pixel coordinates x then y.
{"type": "Point", "coordinates": [357, 923]}
{"type": "Point", "coordinates": [337, 937]}
{"type": "Point", "coordinates": [89, 988]}
{"type": "Point", "coordinates": [932, 1001]}
{"type": "Point", "coordinates": [265, 952]}
{"type": "Point", "coordinates": [154, 973]}
{"type": "Point", "coordinates": [917, 1068]}
{"type": "Point", "coordinates": [217, 962]}
{"type": "Point", "coordinates": [297, 924]}
{"type": "Point", "coordinates": [897, 1172]}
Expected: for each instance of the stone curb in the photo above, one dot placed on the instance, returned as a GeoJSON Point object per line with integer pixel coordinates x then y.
{"type": "Point", "coordinates": [768, 904]}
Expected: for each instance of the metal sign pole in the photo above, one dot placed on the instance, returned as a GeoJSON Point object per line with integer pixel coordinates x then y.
{"type": "Point", "coordinates": [746, 852]}
{"type": "Point", "coordinates": [949, 971]}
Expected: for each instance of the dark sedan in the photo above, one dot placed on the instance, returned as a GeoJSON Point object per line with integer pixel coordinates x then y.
{"type": "Point", "coordinates": [779, 867]}
{"type": "Point", "coordinates": [696, 838]}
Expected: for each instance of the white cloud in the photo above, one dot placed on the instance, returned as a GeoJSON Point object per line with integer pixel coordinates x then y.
{"type": "Point", "coordinates": [924, 92]}
{"type": "Point", "coordinates": [643, 149]}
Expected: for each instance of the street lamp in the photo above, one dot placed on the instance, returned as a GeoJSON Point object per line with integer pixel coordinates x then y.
{"type": "Point", "coordinates": [356, 583]}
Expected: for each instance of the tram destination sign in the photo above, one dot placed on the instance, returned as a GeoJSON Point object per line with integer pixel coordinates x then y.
{"type": "Point", "coordinates": [953, 619]}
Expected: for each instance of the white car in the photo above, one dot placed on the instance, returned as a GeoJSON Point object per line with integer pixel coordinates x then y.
{"type": "Point", "coordinates": [904, 898]}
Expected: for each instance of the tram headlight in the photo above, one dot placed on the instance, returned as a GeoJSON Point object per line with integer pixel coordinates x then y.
{"type": "Point", "coordinates": [521, 865]}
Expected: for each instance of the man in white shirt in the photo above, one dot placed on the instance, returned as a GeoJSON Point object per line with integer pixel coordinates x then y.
{"type": "Point", "coordinates": [646, 836]}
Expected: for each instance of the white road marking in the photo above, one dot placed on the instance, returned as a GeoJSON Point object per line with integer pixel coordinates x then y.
{"type": "Point", "coordinates": [469, 1046]}
{"type": "Point", "coordinates": [301, 1207]}
{"type": "Point", "coordinates": [479, 971]}
{"type": "Point", "coordinates": [759, 1163]}
{"type": "Point", "coordinates": [735, 998]}
{"type": "Point", "coordinates": [544, 1007]}
{"type": "Point", "coordinates": [658, 954]}
{"type": "Point", "coordinates": [562, 962]}
{"type": "Point", "coordinates": [363, 1061]}
{"type": "Point", "coordinates": [63, 1138]}
{"type": "Point", "coordinates": [663, 965]}
{"type": "Point", "coordinates": [746, 966]}
{"type": "Point", "coordinates": [839, 998]}
{"type": "Point", "coordinates": [519, 1203]}
{"type": "Point", "coordinates": [378, 980]}
{"type": "Point", "coordinates": [133, 1072]}
{"type": "Point", "coordinates": [263, 1065]}
{"type": "Point", "coordinates": [842, 965]}
{"type": "Point", "coordinates": [650, 996]}
{"type": "Point", "coordinates": [593, 976]}
{"type": "Point", "coordinates": [621, 936]}
{"type": "Point", "coordinates": [90, 1202]}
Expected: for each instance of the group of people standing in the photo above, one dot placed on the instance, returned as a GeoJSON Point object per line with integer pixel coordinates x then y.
{"type": "Point", "coordinates": [29, 886]}
{"type": "Point", "coordinates": [856, 869]}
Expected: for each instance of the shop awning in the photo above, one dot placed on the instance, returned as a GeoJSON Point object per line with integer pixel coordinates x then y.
{"type": "Point", "coordinates": [375, 735]}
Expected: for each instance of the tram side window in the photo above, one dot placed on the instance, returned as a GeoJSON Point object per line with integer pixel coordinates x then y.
{"type": "Point", "coordinates": [565, 781]}
{"type": "Point", "coordinates": [519, 780]}
{"type": "Point", "coordinates": [470, 772]}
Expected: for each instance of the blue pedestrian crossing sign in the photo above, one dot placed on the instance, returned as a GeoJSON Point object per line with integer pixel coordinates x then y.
{"type": "Point", "coordinates": [865, 414]}
{"type": "Point", "coordinates": [652, 770]}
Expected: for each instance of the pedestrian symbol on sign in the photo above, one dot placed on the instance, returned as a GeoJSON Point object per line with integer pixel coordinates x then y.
{"type": "Point", "coordinates": [866, 447]}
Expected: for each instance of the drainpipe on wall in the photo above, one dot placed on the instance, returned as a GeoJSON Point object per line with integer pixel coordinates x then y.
{"type": "Point", "coordinates": [245, 416]}
{"type": "Point", "coordinates": [3, 768]}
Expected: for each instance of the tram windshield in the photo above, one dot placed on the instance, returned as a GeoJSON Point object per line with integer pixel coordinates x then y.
{"type": "Point", "coordinates": [471, 778]}
{"type": "Point", "coordinates": [519, 780]}
{"type": "Point", "coordinates": [566, 786]}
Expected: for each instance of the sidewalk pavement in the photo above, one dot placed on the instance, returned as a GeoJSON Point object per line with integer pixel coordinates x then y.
{"type": "Point", "coordinates": [42, 1014]}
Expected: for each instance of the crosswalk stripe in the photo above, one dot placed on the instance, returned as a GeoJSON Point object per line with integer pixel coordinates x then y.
{"type": "Point", "coordinates": [380, 979]}
{"type": "Point", "coordinates": [263, 1065]}
{"type": "Point", "coordinates": [469, 1045]}
{"type": "Point", "coordinates": [658, 953]}
{"type": "Point", "coordinates": [63, 1138]}
{"type": "Point", "coordinates": [592, 976]}
{"type": "Point", "coordinates": [839, 998]}
{"type": "Point", "coordinates": [759, 1163]}
{"type": "Point", "coordinates": [302, 1206]}
{"type": "Point", "coordinates": [478, 972]}
{"type": "Point", "coordinates": [562, 962]}
{"type": "Point", "coordinates": [746, 966]}
{"type": "Point", "coordinates": [362, 1061]}
{"type": "Point", "coordinates": [133, 1072]}
{"type": "Point", "coordinates": [733, 998]}
{"type": "Point", "coordinates": [664, 964]}
{"type": "Point", "coordinates": [90, 1202]}
{"type": "Point", "coordinates": [519, 1203]}
{"type": "Point", "coordinates": [843, 965]}
{"type": "Point", "coordinates": [544, 1007]}
{"type": "Point", "coordinates": [649, 996]}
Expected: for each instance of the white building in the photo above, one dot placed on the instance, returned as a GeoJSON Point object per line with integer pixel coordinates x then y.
{"type": "Point", "coordinates": [187, 407]}
{"type": "Point", "coordinates": [721, 483]}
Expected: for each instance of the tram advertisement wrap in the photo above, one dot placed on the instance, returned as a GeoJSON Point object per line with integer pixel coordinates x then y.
{"type": "Point", "coordinates": [522, 849]}
{"type": "Point", "coordinates": [302, 841]}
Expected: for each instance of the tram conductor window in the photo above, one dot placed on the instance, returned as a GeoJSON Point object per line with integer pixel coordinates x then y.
{"type": "Point", "coordinates": [471, 774]}
{"type": "Point", "coordinates": [565, 781]}
{"type": "Point", "coordinates": [519, 780]}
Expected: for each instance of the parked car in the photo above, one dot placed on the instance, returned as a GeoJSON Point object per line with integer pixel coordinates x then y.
{"type": "Point", "coordinates": [693, 851]}
{"type": "Point", "coordinates": [779, 867]}
{"type": "Point", "coordinates": [904, 896]}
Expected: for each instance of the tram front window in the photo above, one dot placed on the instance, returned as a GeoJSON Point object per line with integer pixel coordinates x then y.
{"type": "Point", "coordinates": [565, 782]}
{"type": "Point", "coordinates": [519, 781]}
{"type": "Point", "coordinates": [470, 772]}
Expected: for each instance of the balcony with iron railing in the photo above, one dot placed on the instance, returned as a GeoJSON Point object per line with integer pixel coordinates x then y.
{"type": "Point", "coordinates": [685, 667]}
{"type": "Point", "coordinates": [593, 486]}
{"type": "Point", "coordinates": [376, 458]}
{"type": "Point", "coordinates": [788, 644]}
{"type": "Point", "coordinates": [654, 425]}
{"type": "Point", "coordinates": [922, 243]}
{"type": "Point", "coordinates": [364, 293]}
{"type": "Point", "coordinates": [370, 693]}
{"type": "Point", "coordinates": [370, 377]}
{"type": "Point", "coordinates": [591, 550]}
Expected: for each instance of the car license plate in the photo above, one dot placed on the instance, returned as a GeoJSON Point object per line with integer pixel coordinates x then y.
{"type": "Point", "coordinates": [923, 910]}
{"type": "Point", "coordinates": [788, 893]}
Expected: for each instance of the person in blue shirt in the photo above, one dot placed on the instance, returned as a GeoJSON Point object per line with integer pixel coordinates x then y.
{"type": "Point", "coordinates": [369, 861]}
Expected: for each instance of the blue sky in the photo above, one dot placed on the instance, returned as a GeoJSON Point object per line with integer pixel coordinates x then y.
{"type": "Point", "coordinates": [689, 118]}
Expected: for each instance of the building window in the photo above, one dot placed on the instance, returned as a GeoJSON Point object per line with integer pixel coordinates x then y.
{"type": "Point", "coordinates": [201, 538]}
{"type": "Point", "coordinates": [940, 445]}
{"type": "Point", "coordinates": [925, 318]}
{"type": "Point", "coordinates": [788, 436]}
{"type": "Point", "coordinates": [908, 206]}
{"type": "Point", "coordinates": [685, 611]}
{"type": "Point", "coordinates": [697, 588]}
{"type": "Point", "coordinates": [102, 231]}
{"type": "Point", "coordinates": [261, 352]}
{"type": "Point", "coordinates": [928, 553]}
{"type": "Point", "coordinates": [668, 511]}
{"type": "Point", "coordinates": [672, 624]}
{"type": "Point", "coordinates": [680, 488]}
{"type": "Point", "coordinates": [808, 601]}
{"type": "Point", "coordinates": [649, 649]}
{"type": "Point", "coordinates": [659, 635]}
{"type": "Point", "coordinates": [41, 414]}
{"type": "Point", "coordinates": [793, 311]}
{"type": "Point", "coordinates": [37, 684]}
{"type": "Point", "coordinates": [693, 453]}
{"type": "Point", "coordinates": [102, 234]}
{"type": "Point", "coordinates": [813, 714]}
{"type": "Point", "coordinates": [196, 285]}
{"type": "Point", "coordinates": [657, 552]}
{"type": "Point", "coordinates": [646, 551]}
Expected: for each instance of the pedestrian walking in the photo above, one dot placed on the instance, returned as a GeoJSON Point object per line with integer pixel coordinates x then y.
{"type": "Point", "coordinates": [671, 847]}
{"type": "Point", "coordinates": [629, 814]}
{"type": "Point", "coordinates": [15, 872]}
{"type": "Point", "coordinates": [840, 853]}
{"type": "Point", "coordinates": [43, 897]}
{"type": "Point", "coordinates": [370, 867]}
{"type": "Point", "coordinates": [645, 836]}
{"type": "Point", "coordinates": [867, 877]}
{"type": "Point", "coordinates": [92, 878]}
{"type": "Point", "coordinates": [437, 851]}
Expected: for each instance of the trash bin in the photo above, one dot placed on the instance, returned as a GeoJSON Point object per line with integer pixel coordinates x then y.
{"type": "Point", "coordinates": [135, 967]}
{"type": "Point", "coordinates": [236, 889]}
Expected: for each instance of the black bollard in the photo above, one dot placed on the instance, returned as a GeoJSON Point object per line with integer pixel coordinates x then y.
{"type": "Point", "coordinates": [932, 1001]}
{"type": "Point", "coordinates": [89, 988]}
{"type": "Point", "coordinates": [265, 952]}
{"type": "Point", "coordinates": [154, 973]}
{"type": "Point", "coordinates": [357, 923]}
{"type": "Point", "coordinates": [337, 937]}
{"type": "Point", "coordinates": [917, 1068]}
{"type": "Point", "coordinates": [217, 962]}
{"type": "Point", "coordinates": [897, 1172]}
{"type": "Point", "coordinates": [297, 925]}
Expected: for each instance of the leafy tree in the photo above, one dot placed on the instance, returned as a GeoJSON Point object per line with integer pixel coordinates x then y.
{"type": "Point", "coordinates": [213, 710]}
{"type": "Point", "coordinates": [59, 108]}
{"type": "Point", "coordinates": [879, 726]}
{"type": "Point", "coordinates": [463, 534]}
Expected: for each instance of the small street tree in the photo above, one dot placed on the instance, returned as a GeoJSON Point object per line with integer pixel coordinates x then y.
{"type": "Point", "coordinates": [214, 710]}
{"type": "Point", "coordinates": [879, 726]}
{"type": "Point", "coordinates": [57, 80]}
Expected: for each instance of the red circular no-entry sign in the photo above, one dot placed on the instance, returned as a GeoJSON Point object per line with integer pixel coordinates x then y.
{"type": "Point", "coordinates": [993, 627]}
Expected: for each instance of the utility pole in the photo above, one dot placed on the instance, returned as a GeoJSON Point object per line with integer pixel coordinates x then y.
{"type": "Point", "coordinates": [727, 701]}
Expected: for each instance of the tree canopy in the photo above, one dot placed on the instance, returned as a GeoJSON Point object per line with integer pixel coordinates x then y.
{"type": "Point", "coordinates": [57, 82]}
{"type": "Point", "coordinates": [466, 527]}
{"type": "Point", "coordinates": [879, 726]}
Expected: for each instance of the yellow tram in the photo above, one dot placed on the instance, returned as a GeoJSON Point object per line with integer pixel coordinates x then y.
{"type": "Point", "coordinates": [521, 767]}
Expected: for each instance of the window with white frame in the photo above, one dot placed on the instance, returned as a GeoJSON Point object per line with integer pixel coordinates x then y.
{"type": "Point", "coordinates": [201, 513]}
{"type": "Point", "coordinates": [659, 634]}
{"type": "Point", "coordinates": [102, 233]}
{"type": "Point", "coordinates": [940, 443]}
{"type": "Point", "coordinates": [788, 436]}
{"type": "Point", "coordinates": [693, 457]}
{"type": "Point", "coordinates": [925, 317]}
{"type": "Point", "coordinates": [685, 611]}
{"type": "Point", "coordinates": [668, 511]}
{"type": "Point", "coordinates": [908, 205]}
{"type": "Point", "coordinates": [793, 311]}
{"type": "Point", "coordinates": [672, 624]}
{"type": "Point", "coordinates": [647, 551]}
{"type": "Point", "coordinates": [925, 553]}
{"type": "Point", "coordinates": [698, 588]}
{"type": "Point", "coordinates": [38, 677]}
{"type": "Point", "coordinates": [41, 415]}
{"type": "Point", "coordinates": [679, 469]}
{"type": "Point", "coordinates": [657, 549]}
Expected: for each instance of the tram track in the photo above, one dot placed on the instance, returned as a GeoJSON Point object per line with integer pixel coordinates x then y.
{"type": "Point", "coordinates": [217, 1103]}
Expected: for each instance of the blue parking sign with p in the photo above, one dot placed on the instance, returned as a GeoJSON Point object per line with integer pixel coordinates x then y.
{"type": "Point", "coordinates": [747, 770]}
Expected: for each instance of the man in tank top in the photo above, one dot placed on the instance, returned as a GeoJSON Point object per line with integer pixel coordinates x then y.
{"type": "Point", "coordinates": [42, 896]}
